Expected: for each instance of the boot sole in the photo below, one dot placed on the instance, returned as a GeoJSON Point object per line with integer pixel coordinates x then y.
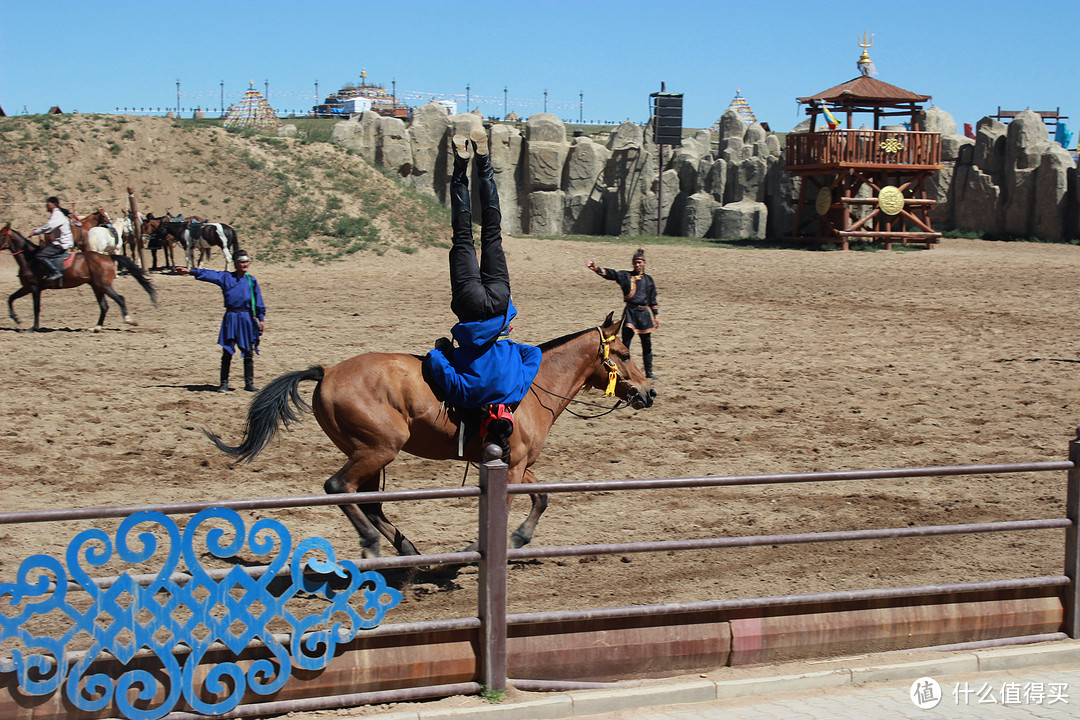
{"type": "Point", "coordinates": [461, 147]}
{"type": "Point", "coordinates": [480, 141]}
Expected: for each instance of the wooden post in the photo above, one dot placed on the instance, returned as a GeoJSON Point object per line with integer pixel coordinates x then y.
{"type": "Point", "coordinates": [137, 224]}
{"type": "Point", "coordinates": [494, 510]}
{"type": "Point", "coordinates": [1072, 543]}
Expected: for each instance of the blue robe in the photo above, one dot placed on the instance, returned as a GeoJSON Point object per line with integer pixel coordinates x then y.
{"type": "Point", "coordinates": [486, 367]}
{"type": "Point", "coordinates": [244, 309]}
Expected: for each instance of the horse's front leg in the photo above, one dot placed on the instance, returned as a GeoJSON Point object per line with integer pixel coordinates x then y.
{"type": "Point", "coordinates": [11, 302]}
{"type": "Point", "coordinates": [524, 534]}
{"type": "Point", "coordinates": [36, 293]}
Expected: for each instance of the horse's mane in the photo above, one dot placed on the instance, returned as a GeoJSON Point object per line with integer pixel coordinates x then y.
{"type": "Point", "coordinates": [563, 340]}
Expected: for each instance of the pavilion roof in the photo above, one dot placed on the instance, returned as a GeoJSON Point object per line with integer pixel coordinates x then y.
{"type": "Point", "coordinates": [866, 90]}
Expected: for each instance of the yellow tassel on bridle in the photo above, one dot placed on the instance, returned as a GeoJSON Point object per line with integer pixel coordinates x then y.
{"type": "Point", "coordinates": [613, 372]}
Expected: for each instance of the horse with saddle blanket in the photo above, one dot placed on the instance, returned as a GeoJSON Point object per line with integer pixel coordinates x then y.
{"type": "Point", "coordinates": [192, 234]}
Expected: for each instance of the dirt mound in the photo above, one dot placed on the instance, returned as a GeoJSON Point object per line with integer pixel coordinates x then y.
{"type": "Point", "coordinates": [288, 199]}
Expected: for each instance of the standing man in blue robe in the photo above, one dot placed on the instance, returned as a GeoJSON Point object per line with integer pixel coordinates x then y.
{"type": "Point", "coordinates": [245, 316]}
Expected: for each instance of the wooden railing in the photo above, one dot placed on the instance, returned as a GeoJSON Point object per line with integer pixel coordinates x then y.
{"type": "Point", "coordinates": [844, 148]}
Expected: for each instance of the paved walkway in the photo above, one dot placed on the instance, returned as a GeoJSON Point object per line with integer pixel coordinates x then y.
{"type": "Point", "coordinates": [1051, 692]}
{"type": "Point", "coordinates": [1030, 681]}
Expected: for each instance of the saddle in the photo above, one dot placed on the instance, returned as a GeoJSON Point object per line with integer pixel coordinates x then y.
{"type": "Point", "coordinates": [494, 423]}
{"type": "Point", "coordinates": [496, 420]}
{"type": "Point", "coordinates": [61, 263]}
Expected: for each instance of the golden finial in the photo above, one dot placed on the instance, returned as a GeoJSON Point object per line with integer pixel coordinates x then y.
{"type": "Point", "coordinates": [865, 65]}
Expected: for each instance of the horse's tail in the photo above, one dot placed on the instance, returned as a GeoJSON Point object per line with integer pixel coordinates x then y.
{"type": "Point", "coordinates": [269, 408]}
{"type": "Point", "coordinates": [136, 272]}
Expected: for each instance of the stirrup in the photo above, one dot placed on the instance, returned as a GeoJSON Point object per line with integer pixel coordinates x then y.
{"type": "Point", "coordinates": [498, 420]}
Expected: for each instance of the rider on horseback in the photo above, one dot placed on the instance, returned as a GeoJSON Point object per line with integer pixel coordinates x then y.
{"type": "Point", "coordinates": [53, 253]}
{"type": "Point", "coordinates": [486, 370]}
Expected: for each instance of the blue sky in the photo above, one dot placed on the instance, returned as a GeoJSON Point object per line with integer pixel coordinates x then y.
{"type": "Point", "coordinates": [597, 60]}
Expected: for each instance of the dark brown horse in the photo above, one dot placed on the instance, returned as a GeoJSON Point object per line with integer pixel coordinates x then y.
{"type": "Point", "coordinates": [90, 267]}
{"type": "Point", "coordinates": [156, 240]}
{"type": "Point", "coordinates": [376, 405]}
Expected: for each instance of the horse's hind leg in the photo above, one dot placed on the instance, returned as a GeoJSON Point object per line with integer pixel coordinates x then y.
{"type": "Point", "coordinates": [119, 300]}
{"type": "Point", "coordinates": [524, 534]}
{"type": "Point", "coordinates": [369, 519]}
{"type": "Point", "coordinates": [374, 513]}
{"type": "Point", "coordinates": [99, 293]}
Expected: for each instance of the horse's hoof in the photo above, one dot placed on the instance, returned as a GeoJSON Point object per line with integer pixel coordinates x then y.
{"type": "Point", "coordinates": [130, 320]}
{"type": "Point", "coordinates": [96, 329]}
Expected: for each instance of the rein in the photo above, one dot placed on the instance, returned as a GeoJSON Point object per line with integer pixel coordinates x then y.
{"type": "Point", "coordinates": [11, 245]}
{"type": "Point", "coordinates": [613, 378]}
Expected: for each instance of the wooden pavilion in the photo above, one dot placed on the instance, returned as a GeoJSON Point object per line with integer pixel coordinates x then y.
{"type": "Point", "coordinates": [860, 183]}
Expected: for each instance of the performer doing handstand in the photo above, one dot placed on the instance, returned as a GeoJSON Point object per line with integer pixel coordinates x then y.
{"type": "Point", "coordinates": [487, 370]}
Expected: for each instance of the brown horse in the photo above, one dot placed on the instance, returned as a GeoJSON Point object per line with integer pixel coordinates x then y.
{"type": "Point", "coordinates": [156, 240]}
{"type": "Point", "coordinates": [80, 227]}
{"type": "Point", "coordinates": [90, 267]}
{"type": "Point", "coordinates": [376, 405]}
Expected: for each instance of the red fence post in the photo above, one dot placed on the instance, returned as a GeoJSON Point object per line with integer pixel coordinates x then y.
{"type": "Point", "coordinates": [1072, 542]}
{"type": "Point", "coordinates": [492, 580]}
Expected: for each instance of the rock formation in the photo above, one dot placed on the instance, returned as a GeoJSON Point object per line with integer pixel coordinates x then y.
{"type": "Point", "coordinates": [1010, 181]}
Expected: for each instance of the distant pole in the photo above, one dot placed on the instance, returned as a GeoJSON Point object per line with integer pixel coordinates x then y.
{"type": "Point", "coordinates": [504, 102]}
{"type": "Point", "coordinates": [137, 224]}
{"type": "Point", "coordinates": [660, 167]}
{"type": "Point", "coordinates": [545, 100]}
{"type": "Point", "coordinates": [266, 84]}
{"type": "Point", "coordinates": [393, 83]}
{"type": "Point", "coordinates": [177, 96]}
{"type": "Point", "coordinates": [581, 107]}
{"type": "Point", "coordinates": [222, 108]}
{"type": "Point", "coordinates": [316, 92]}
{"type": "Point", "coordinates": [467, 90]}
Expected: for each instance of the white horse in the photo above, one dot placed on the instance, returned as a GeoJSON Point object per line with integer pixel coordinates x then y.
{"type": "Point", "coordinates": [101, 239]}
{"type": "Point", "coordinates": [126, 228]}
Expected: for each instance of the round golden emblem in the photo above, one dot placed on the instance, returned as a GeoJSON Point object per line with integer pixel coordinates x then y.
{"type": "Point", "coordinates": [890, 200]}
{"type": "Point", "coordinates": [823, 202]}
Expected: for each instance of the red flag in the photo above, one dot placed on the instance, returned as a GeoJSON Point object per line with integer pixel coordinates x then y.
{"type": "Point", "coordinates": [969, 131]}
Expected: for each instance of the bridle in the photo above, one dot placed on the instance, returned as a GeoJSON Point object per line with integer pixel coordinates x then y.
{"type": "Point", "coordinates": [11, 241]}
{"type": "Point", "coordinates": [607, 362]}
{"type": "Point", "coordinates": [613, 378]}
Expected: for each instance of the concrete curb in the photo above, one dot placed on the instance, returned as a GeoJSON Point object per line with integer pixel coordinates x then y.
{"type": "Point", "coordinates": [682, 691]}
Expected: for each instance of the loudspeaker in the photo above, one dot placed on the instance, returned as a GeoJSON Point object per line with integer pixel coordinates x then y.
{"type": "Point", "coordinates": [667, 118]}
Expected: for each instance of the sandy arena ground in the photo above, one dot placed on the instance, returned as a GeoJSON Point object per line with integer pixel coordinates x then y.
{"type": "Point", "coordinates": [770, 361]}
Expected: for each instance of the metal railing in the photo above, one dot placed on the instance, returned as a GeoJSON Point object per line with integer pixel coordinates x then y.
{"type": "Point", "coordinates": [492, 619]}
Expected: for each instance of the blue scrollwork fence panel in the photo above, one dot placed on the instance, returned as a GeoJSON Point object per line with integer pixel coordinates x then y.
{"type": "Point", "coordinates": [199, 609]}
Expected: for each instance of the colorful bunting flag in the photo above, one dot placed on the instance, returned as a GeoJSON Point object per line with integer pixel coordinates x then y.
{"type": "Point", "coordinates": [253, 112]}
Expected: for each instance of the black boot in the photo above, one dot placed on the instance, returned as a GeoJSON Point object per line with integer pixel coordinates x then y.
{"type": "Point", "coordinates": [226, 361]}
{"type": "Point", "coordinates": [249, 375]}
{"type": "Point", "coordinates": [647, 357]}
{"type": "Point", "coordinates": [485, 174]}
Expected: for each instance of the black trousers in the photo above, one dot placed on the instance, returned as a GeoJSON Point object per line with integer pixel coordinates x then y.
{"type": "Point", "coordinates": [50, 251]}
{"type": "Point", "coordinates": [479, 290]}
{"type": "Point", "coordinates": [646, 340]}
